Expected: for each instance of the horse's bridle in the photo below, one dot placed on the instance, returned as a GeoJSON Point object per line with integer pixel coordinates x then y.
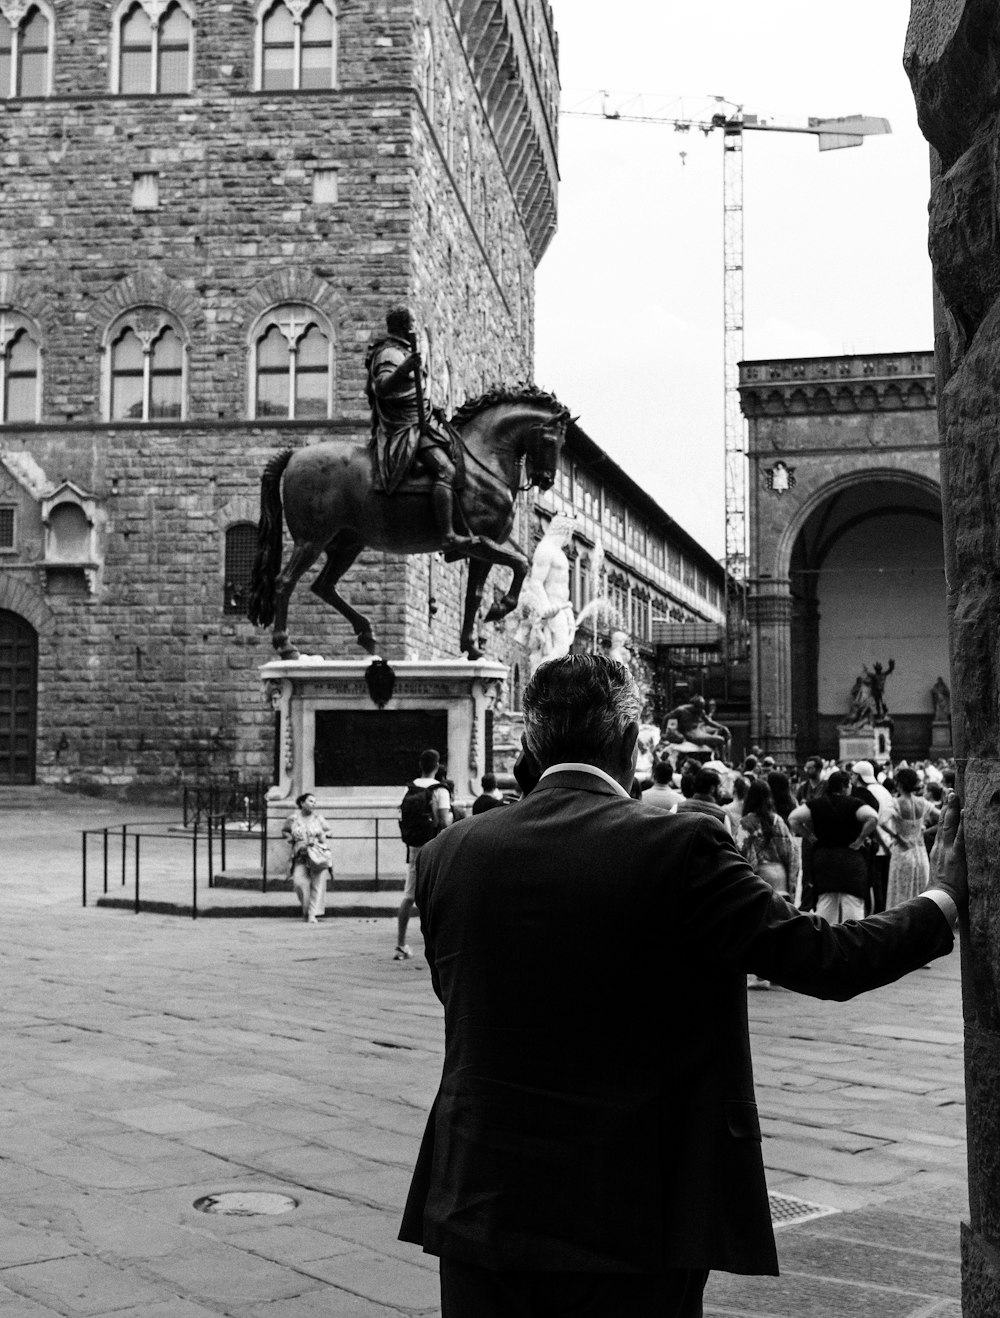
{"type": "Point", "coordinates": [543, 427]}
{"type": "Point", "coordinates": [518, 489]}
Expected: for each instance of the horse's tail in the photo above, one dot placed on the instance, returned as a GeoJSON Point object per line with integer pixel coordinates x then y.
{"type": "Point", "coordinates": [267, 564]}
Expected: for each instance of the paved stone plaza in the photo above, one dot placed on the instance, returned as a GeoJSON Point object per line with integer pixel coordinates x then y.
{"type": "Point", "coordinates": [150, 1060]}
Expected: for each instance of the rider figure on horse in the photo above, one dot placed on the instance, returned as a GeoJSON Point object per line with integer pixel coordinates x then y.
{"type": "Point", "coordinates": [404, 431]}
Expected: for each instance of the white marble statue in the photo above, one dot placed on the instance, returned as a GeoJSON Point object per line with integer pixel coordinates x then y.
{"type": "Point", "coordinates": [545, 612]}
{"type": "Point", "coordinates": [620, 648]}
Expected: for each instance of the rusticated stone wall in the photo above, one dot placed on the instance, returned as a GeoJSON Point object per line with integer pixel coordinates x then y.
{"type": "Point", "coordinates": [953, 60]}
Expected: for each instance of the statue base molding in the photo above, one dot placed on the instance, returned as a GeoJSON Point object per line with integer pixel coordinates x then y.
{"type": "Point", "coordinates": [356, 759]}
{"type": "Point", "coordinates": [870, 741]}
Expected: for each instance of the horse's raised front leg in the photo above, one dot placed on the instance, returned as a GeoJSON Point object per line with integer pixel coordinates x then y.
{"type": "Point", "coordinates": [479, 570]}
{"type": "Point", "coordinates": [340, 554]}
{"type": "Point", "coordinates": [509, 555]}
{"type": "Point", "coordinates": [301, 559]}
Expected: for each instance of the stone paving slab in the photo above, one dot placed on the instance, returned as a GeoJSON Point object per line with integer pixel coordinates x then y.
{"type": "Point", "coordinates": [151, 1060]}
{"type": "Point", "coordinates": [82, 1285]}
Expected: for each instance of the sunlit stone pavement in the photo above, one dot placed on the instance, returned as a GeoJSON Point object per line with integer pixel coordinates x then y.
{"type": "Point", "coordinates": [151, 1060]}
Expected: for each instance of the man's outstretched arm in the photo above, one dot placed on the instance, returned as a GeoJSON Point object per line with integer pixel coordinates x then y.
{"type": "Point", "coordinates": [736, 917]}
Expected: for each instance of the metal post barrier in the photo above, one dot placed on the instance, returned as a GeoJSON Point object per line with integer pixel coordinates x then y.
{"type": "Point", "coordinates": [264, 815]}
{"type": "Point", "coordinates": [124, 847]}
{"type": "Point", "coordinates": [85, 867]}
{"type": "Point", "coordinates": [211, 855]}
{"type": "Point", "coordinates": [105, 862]}
{"type": "Point", "coordinates": [137, 873]}
{"type": "Point", "coordinates": [194, 871]}
{"type": "Point", "coordinates": [377, 831]}
{"type": "Point", "coordinates": [222, 843]}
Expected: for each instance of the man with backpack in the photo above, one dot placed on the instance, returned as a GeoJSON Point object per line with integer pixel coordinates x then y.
{"type": "Point", "coordinates": [423, 812]}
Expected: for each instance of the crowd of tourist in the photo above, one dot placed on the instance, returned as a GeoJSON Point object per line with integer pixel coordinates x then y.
{"type": "Point", "coordinates": [843, 840]}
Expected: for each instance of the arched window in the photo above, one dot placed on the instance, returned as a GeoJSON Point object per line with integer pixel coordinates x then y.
{"type": "Point", "coordinates": [166, 375]}
{"type": "Point", "coordinates": [147, 367]}
{"type": "Point", "coordinates": [292, 367]}
{"type": "Point", "coordinates": [296, 45]}
{"type": "Point", "coordinates": [25, 50]}
{"type": "Point", "coordinates": [20, 371]}
{"type": "Point", "coordinates": [241, 549]}
{"type": "Point", "coordinates": [154, 48]}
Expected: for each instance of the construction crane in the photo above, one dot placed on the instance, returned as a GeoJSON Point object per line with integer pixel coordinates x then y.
{"type": "Point", "coordinates": [711, 114]}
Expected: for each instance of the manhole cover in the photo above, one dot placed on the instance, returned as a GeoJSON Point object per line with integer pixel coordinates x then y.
{"type": "Point", "coordinates": [249, 1203]}
{"type": "Point", "coordinates": [785, 1210]}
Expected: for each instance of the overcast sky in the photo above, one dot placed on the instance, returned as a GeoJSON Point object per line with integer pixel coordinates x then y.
{"type": "Point", "coordinates": [629, 324]}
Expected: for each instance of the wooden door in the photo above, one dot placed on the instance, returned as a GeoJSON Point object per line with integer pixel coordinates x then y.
{"type": "Point", "coordinates": [18, 699]}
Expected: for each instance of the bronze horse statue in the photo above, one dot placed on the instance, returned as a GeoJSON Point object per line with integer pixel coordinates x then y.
{"type": "Point", "coordinates": [332, 507]}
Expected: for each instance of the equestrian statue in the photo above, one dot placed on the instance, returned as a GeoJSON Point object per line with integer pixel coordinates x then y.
{"type": "Point", "coordinates": [421, 485]}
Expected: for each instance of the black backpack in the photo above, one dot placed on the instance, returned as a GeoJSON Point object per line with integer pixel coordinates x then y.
{"type": "Point", "coordinates": [416, 815]}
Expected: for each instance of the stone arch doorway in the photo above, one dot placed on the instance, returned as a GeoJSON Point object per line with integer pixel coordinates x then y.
{"type": "Point", "coordinates": [18, 699]}
{"type": "Point", "coordinates": [843, 468]}
{"type": "Point", "coordinates": [866, 573]}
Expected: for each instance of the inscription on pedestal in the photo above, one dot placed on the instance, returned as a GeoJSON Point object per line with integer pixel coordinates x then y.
{"type": "Point", "coordinates": [401, 689]}
{"type": "Point", "coordinates": [377, 747]}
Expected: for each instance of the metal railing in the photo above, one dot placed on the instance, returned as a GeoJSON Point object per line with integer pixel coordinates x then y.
{"type": "Point", "coordinates": [121, 847]}
{"type": "Point", "coordinates": [215, 833]}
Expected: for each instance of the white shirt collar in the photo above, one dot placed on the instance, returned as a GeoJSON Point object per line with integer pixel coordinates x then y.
{"type": "Point", "coordinates": [569, 766]}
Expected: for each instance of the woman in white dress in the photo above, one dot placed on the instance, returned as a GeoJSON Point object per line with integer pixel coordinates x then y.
{"type": "Point", "coordinates": [909, 869]}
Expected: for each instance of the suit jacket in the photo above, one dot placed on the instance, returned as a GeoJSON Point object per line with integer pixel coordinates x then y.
{"type": "Point", "coordinates": [596, 1109]}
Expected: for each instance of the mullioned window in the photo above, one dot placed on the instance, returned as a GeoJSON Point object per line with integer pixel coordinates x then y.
{"type": "Point", "coordinates": [26, 34]}
{"type": "Point", "coordinates": [291, 365]}
{"type": "Point", "coordinates": [152, 48]}
{"type": "Point", "coordinates": [296, 45]}
{"type": "Point", "coordinates": [146, 367]}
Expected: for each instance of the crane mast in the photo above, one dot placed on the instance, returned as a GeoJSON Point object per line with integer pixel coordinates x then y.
{"type": "Point", "coordinates": [709, 115]}
{"type": "Point", "coordinates": [734, 426]}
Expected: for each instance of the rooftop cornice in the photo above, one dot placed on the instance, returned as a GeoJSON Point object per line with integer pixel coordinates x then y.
{"type": "Point", "coordinates": [512, 90]}
{"type": "Point", "coordinates": [824, 386]}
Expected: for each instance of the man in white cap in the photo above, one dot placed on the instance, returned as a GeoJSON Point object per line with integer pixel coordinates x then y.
{"type": "Point", "coordinates": [866, 787]}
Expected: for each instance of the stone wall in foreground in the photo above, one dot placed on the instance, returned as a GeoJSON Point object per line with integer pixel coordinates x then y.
{"type": "Point", "coordinates": [953, 60]}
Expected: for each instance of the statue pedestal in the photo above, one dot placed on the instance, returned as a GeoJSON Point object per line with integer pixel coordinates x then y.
{"type": "Point", "coordinates": [679, 751]}
{"type": "Point", "coordinates": [871, 741]}
{"type": "Point", "coordinates": [333, 741]}
{"type": "Point", "coordinates": [941, 747]}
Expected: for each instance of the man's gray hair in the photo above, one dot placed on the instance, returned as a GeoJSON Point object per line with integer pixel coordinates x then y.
{"type": "Point", "coordinates": [578, 708]}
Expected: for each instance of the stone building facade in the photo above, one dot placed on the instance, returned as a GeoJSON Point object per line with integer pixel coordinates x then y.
{"type": "Point", "coordinates": [205, 211]}
{"type": "Point", "coordinates": [846, 557]}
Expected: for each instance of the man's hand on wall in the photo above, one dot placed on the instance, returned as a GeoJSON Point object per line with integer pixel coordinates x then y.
{"type": "Point", "coordinates": [948, 864]}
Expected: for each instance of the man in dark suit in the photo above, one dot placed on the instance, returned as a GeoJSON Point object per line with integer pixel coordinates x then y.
{"type": "Point", "coordinates": [594, 1146]}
